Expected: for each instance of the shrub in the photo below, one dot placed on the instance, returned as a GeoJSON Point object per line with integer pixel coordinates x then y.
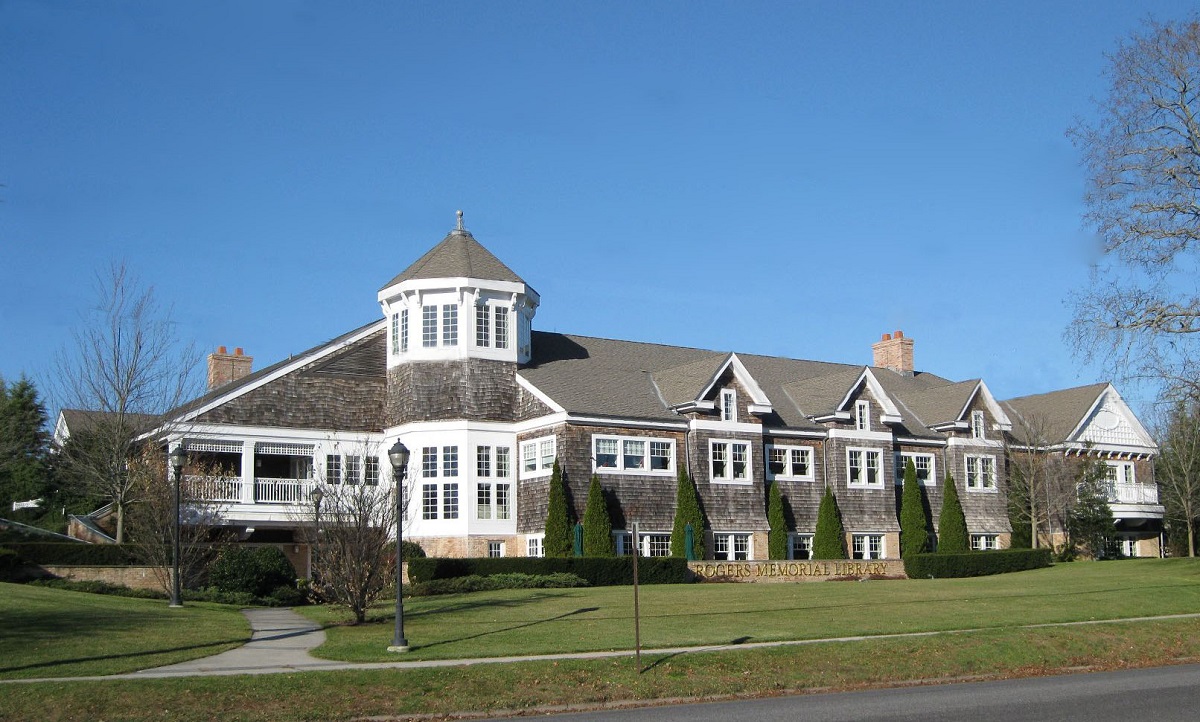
{"type": "Point", "coordinates": [99, 587]}
{"type": "Point", "coordinates": [10, 564]}
{"type": "Point", "coordinates": [76, 553]}
{"type": "Point", "coordinates": [598, 571]}
{"type": "Point", "coordinates": [477, 583]}
{"type": "Point", "coordinates": [597, 526]}
{"type": "Point", "coordinates": [829, 541]}
{"type": "Point", "coordinates": [257, 571]}
{"type": "Point", "coordinates": [410, 550]}
{"type": "Point", "coordinates": [914, 527]}
{"type": "Point", "coordinates": [952, 525]}
{"type": "Point", "coordinates": [687, 511]}
{"type": "Point", "coordinates": [777, 537]}
{"type": "Point", "coordinates": [558, 541]}
{"type": "Point", "coordinates": [974, 564]}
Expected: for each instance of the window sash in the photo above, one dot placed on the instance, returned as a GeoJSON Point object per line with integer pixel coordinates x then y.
{"type": "Point", "coordinates": [371, 478]}
{"type": "Point", "coordinates": [450, 501]}
{"type": "Point", "coordinates": [862, 467]}
{"type": "Point", "coordinates": [801, 546]}
{"type": "Point", "coordinates": [429, 326]}
{"type": "Point", "coordinates": [395, 334]}
{"type": "Point", "coordinates": [353, 469]}
{"type": "Point", "coordinates": [482, 330]}
{"type": "Point", "coordinates": [501, 327]}
{"type": "Point", "coordinates": [862, 415]}
{"type": "Point", "coordinates": [449, 461]}
{"type": "Point", "coordinates": [981, 472]}
{"type": "Point", "coordinates": [404, 330]}
{"type": "Point", "coordinates": [429, 462]}
{"type": "Point", "coordinates": [483, 500]}
{"type": "Point", "coordinates": [483, 461]}
{"type": "Point", "coordinates": [502, 454]}
{"type": "Point", "coordinates": [789, 462]}
{"type": "Point", "coordinates": [429, 501]}
{"type": "Point", "coordinates": [925, 466]}
{"type": "Point", "coordinates": [333, 468]}
{"type": "Point", "coordinates": [503, 501]}
{"type": "Point", "coordinates": [450, 324]}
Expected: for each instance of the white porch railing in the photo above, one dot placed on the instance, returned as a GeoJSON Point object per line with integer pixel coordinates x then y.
{"type": "Point", "coordinates": [282, 491]}
{"type": "Point", "coordinates": [215, 488]}
{"type": "Point", "coordinates": [1124, 493]}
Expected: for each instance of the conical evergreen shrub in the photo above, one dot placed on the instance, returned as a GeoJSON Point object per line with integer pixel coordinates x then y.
{"type": "Point", "coordinates": [829, 542]}
{"type": "Point", "coordinates": [914, 527]}
{"type": "Point", "coordinates": [559, 541]}
{"type": "Point", "coordinates": [597, 525]}
{"type": "Point", "coordinates": [952, 525]}
{"type": "Point", "coordinates": [777, 537]}
{"type": "Point", "coordinates": [687, 511]}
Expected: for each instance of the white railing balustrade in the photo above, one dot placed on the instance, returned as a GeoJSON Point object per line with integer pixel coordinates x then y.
{"type": "Point", "coordinates": [215, 488]}
{"type": "Point", "coordinates": [1124, 493]}
{"type": "Point", "coordinates": [268, 490]}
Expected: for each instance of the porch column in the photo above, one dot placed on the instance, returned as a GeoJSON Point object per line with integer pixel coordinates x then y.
{"type": "Point", "coordinates": [247, 472]}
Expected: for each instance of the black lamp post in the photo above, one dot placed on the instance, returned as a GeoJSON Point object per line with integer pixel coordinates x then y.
{"type": "Point", "coordinates": [317, 497]}
{"type": "Point", "coordinates": [398, 456]}
{"type": "Point", "coordinates": [177, 459]}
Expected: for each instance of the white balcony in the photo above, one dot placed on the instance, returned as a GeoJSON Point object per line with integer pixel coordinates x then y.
{"type": "Point", "coordinates": [1125, 493]}
{"type": "Point", "coordinates": [263, 490]}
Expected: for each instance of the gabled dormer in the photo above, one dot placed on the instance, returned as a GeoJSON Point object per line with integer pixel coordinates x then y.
{"type": "Point", "coordinates": [864, 405]}
{"type": "Point", "coordinates": [966, 409]}
{"type": "Point", "coordinates": [718, 386]}
{"type": "Point", "coordinates": [1110, 424]}
{"type": "Point", "coordinates": [458, 301]}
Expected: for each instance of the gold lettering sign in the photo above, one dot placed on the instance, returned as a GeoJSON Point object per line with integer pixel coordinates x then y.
{"type": "Point", "coordinates": [793, 571]}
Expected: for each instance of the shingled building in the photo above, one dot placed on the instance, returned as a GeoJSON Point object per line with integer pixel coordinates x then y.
{"type": "Point", "coordinates": [455, 370]}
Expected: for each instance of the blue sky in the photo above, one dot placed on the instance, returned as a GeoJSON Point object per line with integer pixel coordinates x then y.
{"type": "Point", "coordinates": [762, 177]}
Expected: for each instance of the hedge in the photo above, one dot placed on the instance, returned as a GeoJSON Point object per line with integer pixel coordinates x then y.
{"type": "Point", "coordinates": [72, 554]}
{"type": "Point", "coordinates": [475, 583]}
{"type": "Point", "coordinates": [975, 564]}
{"type": "Point", "coordinates": [598, 571]}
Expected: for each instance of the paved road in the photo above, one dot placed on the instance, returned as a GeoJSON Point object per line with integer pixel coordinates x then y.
{"type": "Point", "coordinates": [1165, 694]}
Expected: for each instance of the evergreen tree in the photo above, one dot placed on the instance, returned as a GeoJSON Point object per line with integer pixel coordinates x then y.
{"type": "Point", "coordinates": [24, 447]}
{"type": "Point", "coordinates": [687, 511]}
{"type": "Point", "coordinates": [777, 537]}
{"type": "Point", "coordinates": [559, 541]}
{"type": "Point", "coordinates": [914, 527]}
{"type": "Point", "coordinates": [597, 525]}
{"type": "Point", "coordinates": [829, 542]}
{"type": "Point", "coordinates": [952, 524]}
{"type": "Point", "coordinates": [1090, 522]}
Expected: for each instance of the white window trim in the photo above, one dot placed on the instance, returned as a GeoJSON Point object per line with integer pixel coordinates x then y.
{"type": "Point", "coordinates": [879, 484]}
{"type": "Point", "coordinates": [864, 535]}
{"type": "Point", "coordinates": [539, 470]}
{"type": "Point", "coordinates": [978, 425]}
{"type": "Point", "coordinates": [902, 458]}
{"type": "Point", "coordinates": [787, 476]}
{"type": "Point", "coordinates": [620, 467]}
{"type": "Point", "coordinates": [728, 406]}
{"type": "Point", "coordinates": [978, 544]}
{"type": "Point", "coordinates": [791, 544]}
{"type": "Point", "coordinates": [731, 554]}
{"type": "Point", "coordinates": [749, 479]}
{"type": "Point", "coordinates": [994, 488]}
{"type": "Point", "coordinates": [862, 415]}
{"type": "Point", "coordinates": [541, 544]}
{"type": "Point", "coordinates": [1124, 472]}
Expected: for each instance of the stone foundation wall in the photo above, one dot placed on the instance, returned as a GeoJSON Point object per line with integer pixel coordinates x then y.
{"type": "Point", "coordinates": [798, 571]}
{"type": "Point", "coordinates": [132, 577]}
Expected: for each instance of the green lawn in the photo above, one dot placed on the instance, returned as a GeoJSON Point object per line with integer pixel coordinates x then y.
{"type": "Point", "coordinates": [55, 633]}
{"type": "Point", "coordinates": [570, 620]}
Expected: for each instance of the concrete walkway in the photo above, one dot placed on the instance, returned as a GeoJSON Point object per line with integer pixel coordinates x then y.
{"type": "Point", "coordinates": [282, 639]}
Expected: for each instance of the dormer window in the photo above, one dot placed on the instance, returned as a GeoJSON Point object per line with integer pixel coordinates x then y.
{"type": "Point", "coordinates": [491, 326]}
{"type": "Point", "coordinates": [862, 415]}
{"type": "Point", "coordinates": [728, 405]}
{"type": "Point", "coordinates": [978, 429]}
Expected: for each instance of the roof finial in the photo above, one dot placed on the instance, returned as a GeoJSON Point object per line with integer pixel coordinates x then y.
{"type": "Point", "coordinates": [460, 225]}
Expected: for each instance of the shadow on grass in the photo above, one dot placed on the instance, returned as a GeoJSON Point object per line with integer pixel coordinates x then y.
{"type": "Point", "coordinates": [129, 655]}
{"type": "Point", "coordinates": [559, 617]}
{"type": "Point", "coordinates": [668, 657]}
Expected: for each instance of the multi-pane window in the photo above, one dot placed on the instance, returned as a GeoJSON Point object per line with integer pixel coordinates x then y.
{"type": "Point", "coordinates": [502, 462]}
{"type": "Point", "coordinates": [923, 463]}
{"type": "Point", "coordinates": [483, 461]}
{"type": "Point", "coordinates": [429, 461]}
{"type": "Point", "coordinates": [978, 429]}
{"type": "Point", "coordinates": [790, 462]}
{"type": "Point", "coordinates": [868, 546]}
{"type": "Point", "coordinates": [450, 501]}
{"type": "Point", "coordinates": [533, 546]}
{"type": "Point", "coordinates": [429, 501]}
{"type": "Point", "coordinates": [863, 467]}
{"type": "Point", "coordinates": [483, 500]}
{"type": "Point", "coordinates": [537, 457]}
{"type": "Point", "coordinates": [731, 547]}
{"type": "Point", "coordinates": [429, 326]}
{"type": "Point", "coordinates": [450, 324]}
{"type": "Point", "coordinates": [483, 335]}
{"type": "Point", "coordinates": [801, 546]}
{"type": "Point", "coordinates": [395, 333]}
{"type": "Point", "coordinates": [981, 472]}
{"type": "Point", "coordinates": [449, 461]}
{"type": "Point", "coordinates": [503, 501]}
{"type": "Point", "coordinates": [501, 327]}
{"type": "Point", "coordinates": [623, 541]}
{"type": "Point", "coordinates": [353, 469]}
{"type": "Point", "coordinates": [656, 545]}
{"type": "Point", "coordinates": [495, 549]}
{"type": "Point", "coordinates": [634, 455]}
{"type": "Point", "coordinates": [404, 330]}
{"type": "Point", "coordinates": [862, 415]}
{"type": "Point", "coordinates": [372, 471]}
{"type": "Point", "coordinates": [1119, 472]}
{"type": "Point", "coordinates": [985, 542]}
{"type": "Point", "coordinates": [729, 461]}
{"type": "Point", "coordinates": [728, 405]}
{"type": "Point", "coordinates": [1127, 545]}
{"type": "Point", "coordinates": [484, 506]}
{"type": "Point", "coordinates": [333, 468]}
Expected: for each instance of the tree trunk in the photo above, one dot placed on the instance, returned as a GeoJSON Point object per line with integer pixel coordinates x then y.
{"type": "Point", "coordinates": [120, 523]}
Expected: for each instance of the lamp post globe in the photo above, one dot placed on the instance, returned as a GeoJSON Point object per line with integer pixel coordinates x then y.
{"type": "Point", "coordinates": [176, 459]}
{"type": "Point", "coordinates": [398, 456]}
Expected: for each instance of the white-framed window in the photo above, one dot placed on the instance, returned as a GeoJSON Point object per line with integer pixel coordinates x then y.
{"type": "Point", "coordinates": [925, 465]}
{"type": "Point", "coordinates": [800, 546]}
{"type": "Point", "coordinates": [1127, 545]}
{"type": "Point", "coordinates": [729, 405]}
{"type": "Point", "coordinates": [372, 471]}
{"type": "Point", "coordinates": [731, 547]}
{"type": "Point", "coordinates": [483, 500]}
{"type": "Point", "coordinates": [656, 545]}
{"type": "Point", "coordinates": [537, 457]}
{"type": "Point", "coordinates": [449, 461]}
{"type": "Point", "coordinates": [790, 462]}
{"type": "Point", "coordinates": [981, 473]}
{"type": "Point", "coordinates": [429, 326]}
{"type": "Point", "coordinates": [864, 467]}
{"type": "Point", "coordinates": [862, 415]}
{"type": "Point", "coordinates": [450, 324]}
{"type": "Point", "coordinates": [634, 455]}
{"type": "Point", "coordinates": [985, 542]}
{"type": "Point", "coordinates": [333, 468]}
{"type": "Point", "coordinates": [429, 461]}
{"type": "Point", "coordinates": [503, 466]}
{"type": "Point", "coordinates": [353, 469]}
{"type": "Point", "coordinates": [495, 549]}
{"type": "Point", "coordinates": [450, 500]}
{"type": "Point", "coordinates": [483, 330]}
{"type": "Point", "coordinates": [429, 501]}
{"type": "Point", "coordinates": [404, 330]}
{"type": "Point", "coordinates": [483, 461]}
{"type": "Point", "coordinates": [493, 500]}
{"type": "Point", "coordinates": [978, 425]}
{"type": "Point", "coordinates": [395, 334]}
{"type": "Point", "coordinates": [1120, 472]}
{"type": "Point", "coordinates": [729, 461]}
{"type": "Point", "coordinates": [867, 546]}
{"type": "Point", "coordinates": [533, 546]}
{"type": "Point", "coordinates": [501, 315]}
{"type": "Point", "coordinates": [503, 500]}
{"type": "Point", "coordinates": [623, 541]}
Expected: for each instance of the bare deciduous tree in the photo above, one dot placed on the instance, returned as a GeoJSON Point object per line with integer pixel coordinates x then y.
{"type": "Point", "coordinates": [124, 368]}
{"type": "Point", "coordinates": [1142, 152]}
{"type": "Point", "coordinates": [1040, 485]}
{"type": "Point", "coordinates": [1179, 466]}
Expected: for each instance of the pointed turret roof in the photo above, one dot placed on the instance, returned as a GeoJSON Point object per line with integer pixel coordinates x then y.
{"type": "Point", "coordinates": [459, 255]}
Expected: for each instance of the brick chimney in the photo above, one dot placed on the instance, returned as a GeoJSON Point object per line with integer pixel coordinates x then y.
{"type": "Point", "coordinates": [225, 368]}
{"type": "Point", "coordinates": [894, 352]}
